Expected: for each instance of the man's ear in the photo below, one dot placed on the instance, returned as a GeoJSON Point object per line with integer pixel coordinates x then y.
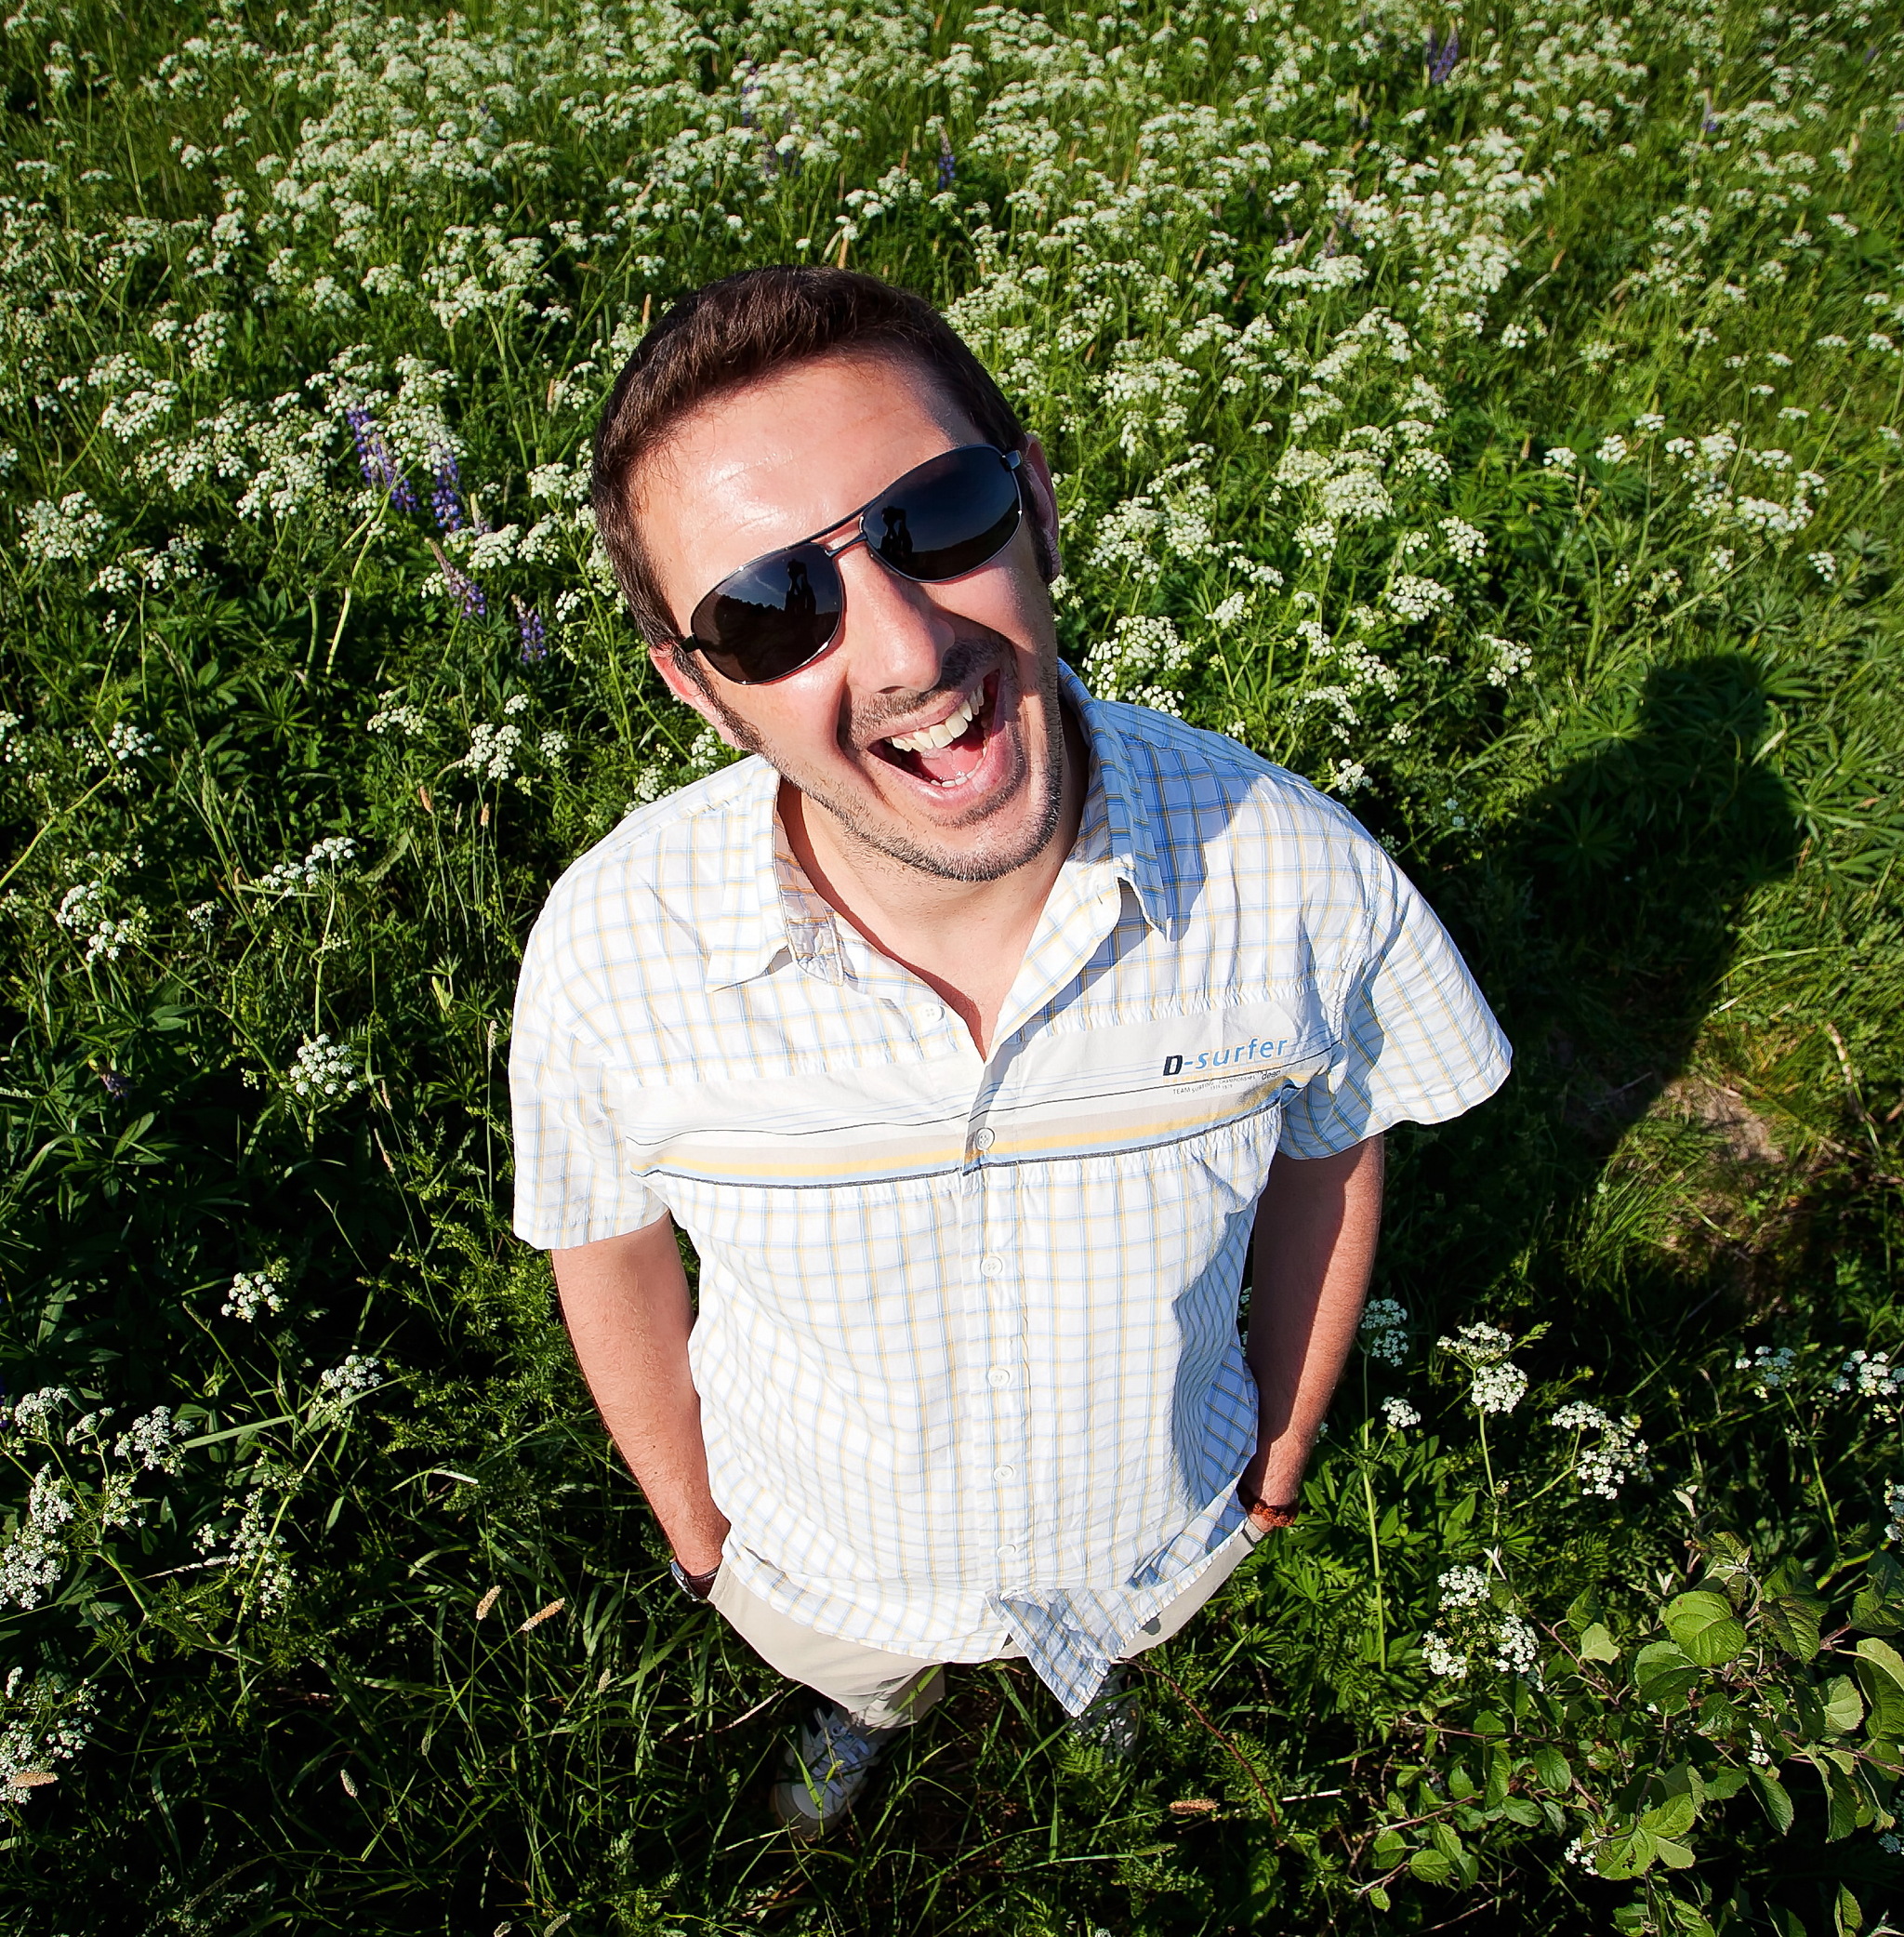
{"type": "Point", "coordinates": [1044, 511]}
{"type": "Point", "coordinates": [667, 660]}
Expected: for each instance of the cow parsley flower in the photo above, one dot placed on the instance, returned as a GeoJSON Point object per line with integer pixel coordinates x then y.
{"type": "Point", "coordinates": [1466, 541]}
{"type": "Point", "coordinates": [1771, 1367]}
{"type": "Point", "coordinates": [1894, 1509]}
{"type": "Point", "coordinates": [153, 1441]}
{"type": "Point", "coordinates": [251, 1293]}
{"type": "Point", "coordinates": [330, 855]}
{"type": "Point", "coordinates": [1498, 1385]}
{"type": "Point", "coordinates": [1602, 1467]}
{"type": "Point", "coordinates": [43, 1721]}
{"type": "Point", "coordinates": [1385, 1331]}
{"type": "Point", "coordinates": [1872, 1375]}
{"type": "Point", "coordinates": [323, 1071]}
{"type": "Point", "coordinates": [1399, 1414]}
{"type": "Point", "coordinates": [1560, 456]}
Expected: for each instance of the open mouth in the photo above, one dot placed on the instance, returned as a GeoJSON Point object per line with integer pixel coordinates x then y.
{"type": "Point", "coordinates": [949, 753]}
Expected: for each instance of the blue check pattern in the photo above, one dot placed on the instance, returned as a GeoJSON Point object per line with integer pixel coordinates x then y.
{"type": "Point", "coordinates": [967, 1341]}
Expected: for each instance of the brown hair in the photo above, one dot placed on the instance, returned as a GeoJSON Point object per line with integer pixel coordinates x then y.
{"type": "Point", "coordinates": [726, 335]}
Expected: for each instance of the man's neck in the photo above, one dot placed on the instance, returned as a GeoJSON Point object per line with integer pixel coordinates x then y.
{"type": "Point", "coordinates": [966, 939]}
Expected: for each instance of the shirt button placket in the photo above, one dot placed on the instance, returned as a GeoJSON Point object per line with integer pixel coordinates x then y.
{"type": "Point", "coordinates": [1005, 1378]}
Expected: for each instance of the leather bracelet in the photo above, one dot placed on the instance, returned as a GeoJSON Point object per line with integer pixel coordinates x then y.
{"type": "Point", "coordinates": [1269, 1516]}
{"type": "Point", "coordinates": [697, 1587]}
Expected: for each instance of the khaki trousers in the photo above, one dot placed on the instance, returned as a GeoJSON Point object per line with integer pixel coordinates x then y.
{"type": "Point", "coordinates": [883, 1690]}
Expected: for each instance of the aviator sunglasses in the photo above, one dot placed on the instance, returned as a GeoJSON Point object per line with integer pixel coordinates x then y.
{"type": "Point", "coordinates": [781, 611]}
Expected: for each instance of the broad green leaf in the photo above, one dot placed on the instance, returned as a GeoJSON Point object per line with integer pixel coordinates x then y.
{"type": "Point", "coordinates": [1583, 1611]}
{"type": "Point", "coordinates": [1488, 1723]}
{"type": "Point", "coordinates": [1881, 1675]}
{"type": "Point", "coordinates": [1674, 1855]}
{"type": "Point", "coordinates": [1847, 1914]}
{"type": "Point", "coordinates": [1625, 1856]}
{"type": "Point", "coordinates": [1879, 1606]}
{"type": "Point", "coordinates": [1792, 1622]}
{"type": "Point", "coordinates": [1704, 1625]}
{"type": "Point", "coordinates": [1460, 1785]}
{"type": "Point", "coordinates": [1388, 1849]}
{"type": "Point", "coordinates": [1672, 1818]}
{"type": "Point", "coordinates": [1597, 1643]}
{"type": "Point", "coordinates": [1497, 1767]}
{"type": "Point", "coordinates": [1841, 1804]}
{"type": "Point", "coordinates": [1551, 1766]}
{"type": "Point", "coordinates": [1378, 1896]}
{"type": "Point", "coordinates": [1662, 1673]}
{"type": "Point", "coordinates": [1773, 1797]}
{"type": "Point", "coordinates": [1844, 1710]}
{"type": "Point", "coordinates": [1687, 1918]}
{"type": "Point", "coordinates": [1724, 1782]}
{"type": "Point", "coordinates": [1517, 1809]}
{"type": "Point", "coordinates": [1444, 1839]}
{"type": "Point", "coordinates": [1431, 1866]}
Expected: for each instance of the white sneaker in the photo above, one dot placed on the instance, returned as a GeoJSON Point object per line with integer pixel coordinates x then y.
{"type": "Point", "coordinates": [831, 1758]}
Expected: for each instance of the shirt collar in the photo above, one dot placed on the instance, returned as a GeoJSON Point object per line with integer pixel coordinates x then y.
{"type": "Point", "coordinates": [771, 907]}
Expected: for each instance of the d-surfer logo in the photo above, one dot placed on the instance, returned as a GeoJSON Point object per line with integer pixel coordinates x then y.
{"type": "Point", "coordinates": [1255, 1051]}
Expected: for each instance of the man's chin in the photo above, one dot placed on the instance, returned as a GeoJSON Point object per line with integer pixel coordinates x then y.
{"type": "Point", "coordinates": [986, 843]}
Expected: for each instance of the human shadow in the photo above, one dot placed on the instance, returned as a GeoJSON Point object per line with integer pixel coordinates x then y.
{"type": "Point", "coordinates": [1601, 927]}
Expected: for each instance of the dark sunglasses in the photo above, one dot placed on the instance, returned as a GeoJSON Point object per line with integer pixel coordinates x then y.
{"type": "Point", "coordinates": [782, 610]}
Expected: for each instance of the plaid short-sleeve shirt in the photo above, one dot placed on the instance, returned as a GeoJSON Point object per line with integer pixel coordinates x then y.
{"type": "Point", "coordinates": [966, 1344]}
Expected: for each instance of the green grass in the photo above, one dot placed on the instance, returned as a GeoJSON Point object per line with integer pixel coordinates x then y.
{"type": "Point", "coordinates": [1293, 310]}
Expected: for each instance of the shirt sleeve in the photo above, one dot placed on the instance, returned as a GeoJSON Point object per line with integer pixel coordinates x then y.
{"type": "Point", "coordinates": [573, 1183]}
{"type": "Point", "coordinates": [1419, 1043]}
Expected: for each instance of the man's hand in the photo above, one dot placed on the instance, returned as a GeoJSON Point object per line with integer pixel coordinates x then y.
{"type": "Point", "coordinates": [626, 1304]}
{"type": "Point", "coordinates": [1317, 1224]}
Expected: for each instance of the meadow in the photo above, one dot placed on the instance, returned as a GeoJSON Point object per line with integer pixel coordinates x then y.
{"type": "Point", "coordinates": [1494, 413]}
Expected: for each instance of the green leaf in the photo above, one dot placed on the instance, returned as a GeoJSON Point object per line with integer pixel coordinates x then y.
{"type": "Point", "coordinates": [1551, 1766]}
{"type": "Point", "coordinates": [1625, 1856]}
{"type": "Point", "coordinates": [1598, 1644]}
{"type": "Point", "coordinates": [1583, 1611]}
{"type": "Point", "coordinates": [1378, 1896]}
{"type": "Point", "coordinates": [1431, 1866]}
{"type": "Point", "coordinates": [1843, 1711]}
{"type": "Point", "coordinates": [1841, 1804]}
{"type": "Point", "coordinates": [1517, 1809]}
{"type": "Point", "coordinates": [1847, 1914]}
{"type": "Point", "coordinates": [1496, 1768]}
{"type": "Point", "coordinates": [1792, 1622]}
{"type": "Point", "coordinates": [1774, 1798]}
{"type": "Point", "coordinates": [1879, 1606]}
{"type": "Point", "coordinates": [1704, 1625]}
{"type": "Point", "coordinates": [1662, 1673]}
{"type": "Point", "coordinates": [1460, 1785]}
{"type": "Point", "coordinates": [1674, 1855]}
{"type": "Point", "coordinates": [1444, 1839]}
{"type": "Point", "coordinates": [1881, 1673]}
{"type": "Point", "coordinates": [1388, 1849]}
{"type": "Point", "coordinates": [1724, 1782]}
{"type": "Point", "coordinates": [1672, 1818]}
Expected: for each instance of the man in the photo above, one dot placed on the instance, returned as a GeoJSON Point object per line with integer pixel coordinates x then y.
{"type": "Point", "coordinates": [969, 1029]}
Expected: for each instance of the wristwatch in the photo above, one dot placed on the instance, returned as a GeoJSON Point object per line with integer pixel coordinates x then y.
{"type": "Point", "coordinates": [697, 1587]}
{"type": "Point", "coordinates": [1268, 1516]}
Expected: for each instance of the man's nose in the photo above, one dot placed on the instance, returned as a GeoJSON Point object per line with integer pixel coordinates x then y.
{"type": "Point", "coordinates": [895, 636]}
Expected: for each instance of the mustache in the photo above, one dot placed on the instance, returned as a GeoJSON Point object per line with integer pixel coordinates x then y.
{"type": "Point", "coordinates": [970, 657]}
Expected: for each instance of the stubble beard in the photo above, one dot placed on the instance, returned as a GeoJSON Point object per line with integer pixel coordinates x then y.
{"type": "Point", "coordinates": [985, 859]}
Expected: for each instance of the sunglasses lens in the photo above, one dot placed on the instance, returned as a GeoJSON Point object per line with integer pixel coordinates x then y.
{"type": "Point", "coordinates": [772, 616]}
{"type": "Point", "coordinates": [947, 517]}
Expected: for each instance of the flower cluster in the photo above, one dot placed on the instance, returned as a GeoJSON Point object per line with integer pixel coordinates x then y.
{"type": "Point", "coordinates": [339, 1387]}
{"type": "Point", "coordinates": [1385, 1331]}
{"type": "Point", "coordinates": [330, 857]}
{"type": "Point", "coordinates": [45, 1719]}
{"type": "Point", "coordinates": [323, 1071]}
{"type": "Point", "coordinates": [1477, 1624]}
{"type": "Point", "coordinates": [251, 1293]}
{"type": "Point", "coordinates": [1606, 1465]}
{"type": "Point", "coordinates": [1498, 1385]}
{"type": "Point", "coordinates": [1872, 1375]}
{"type": "Point", "coordinates": [1771, 1368]}
{"type": "Point", "coordinates": [154, 1442]}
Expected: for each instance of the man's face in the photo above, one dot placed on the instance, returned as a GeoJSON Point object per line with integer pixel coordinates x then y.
{"type": "Point", "coordinates": [791, 457]}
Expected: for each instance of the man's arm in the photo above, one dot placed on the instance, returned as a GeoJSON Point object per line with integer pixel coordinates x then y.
{"type": "Point", "coordinates": [626, 1302]}
{"type": "Point", "coordinates": [1317, 1224]}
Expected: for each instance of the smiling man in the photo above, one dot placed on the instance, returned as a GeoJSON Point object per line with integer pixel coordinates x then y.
{"type": "Point", "coordinates": [970, 1030]}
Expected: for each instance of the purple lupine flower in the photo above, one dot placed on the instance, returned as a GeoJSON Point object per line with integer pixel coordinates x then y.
{"type": "Point", "coordinates": [948, 168]}
{"type": "Point", "coordinates": [1710, 125]}
{"type": "Point", "coordinates": [118, 1087]}
{"type": "Point", "coordinates": [1441, 64]}
{"type": "Point", "coordinates": [531, 630]}
{"type": "Point", "coordinates": [445, 500]}
{"type": "Point", "coordinates": [460, 586]}
{"type": "Point", "coordinates": [375, 459]}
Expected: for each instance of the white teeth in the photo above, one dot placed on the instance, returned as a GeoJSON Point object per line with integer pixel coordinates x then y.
{"type": "Point", "coordinates": [928, 739]}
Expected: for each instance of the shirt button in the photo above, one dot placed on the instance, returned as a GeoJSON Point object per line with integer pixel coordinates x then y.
{"type": "Point", "coordinates": [983, 1139]}
{"type": "Point", "coordinates": [997, 1376]}
{"type": "Point", "coordinates": [991, 1266]}
{"type": "Point", "coordinates": [1002, 1474]}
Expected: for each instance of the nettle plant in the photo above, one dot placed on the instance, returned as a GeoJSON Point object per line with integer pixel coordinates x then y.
{"type": "Point", "coordinates": [1636, 1724]}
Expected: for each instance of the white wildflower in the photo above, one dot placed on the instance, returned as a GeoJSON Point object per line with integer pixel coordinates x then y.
{"type": "Point", "coordinates": [394, 717]}
{"type": "Point", "coordinates": [1825, 565]}
{"type": "Point", "coordinates": [1385, 1331]}
{"type": "Point", "coordinates": [251, 1293]}
{"type": "Point", "coordinates": [153, 1439]}
{"type": "Point", "coordinates": [1466, 541]}
{"type": "Point", "coordinates": [1413, 597]}
{"type": "Point", "coordinates": [1771, 1367]}
{"type": "Point", "coordinates": [330, 855]}
{"type": "Point", "coordinates": [493, 750]}
{"type": "Point", "coordinates": [1872, 1375]}
{"type": "Point", "coordinates": [1560, 456]}
{"type": "Point", "coordinates": [1399, 1414]}
{"type": "Point", "coordinates": [1605, 1465]}
{"type": "Point", "coordinates": [1613, 449]}
{"type": "Point", "coordinates": [323, 1071]}
{"type": "Point", "coordinates": [71, 529]}
{"type": "Point", "coordinates": [1508, 659]}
